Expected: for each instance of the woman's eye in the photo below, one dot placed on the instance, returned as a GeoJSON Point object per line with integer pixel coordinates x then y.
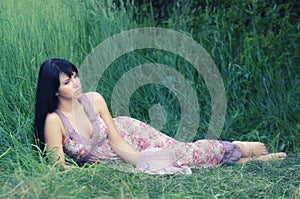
{"type": "Point", "coordinates": [66, 83]}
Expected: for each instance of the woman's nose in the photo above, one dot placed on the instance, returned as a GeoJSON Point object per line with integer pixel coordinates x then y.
{"type": "Point", "coordinates": [75, 82]}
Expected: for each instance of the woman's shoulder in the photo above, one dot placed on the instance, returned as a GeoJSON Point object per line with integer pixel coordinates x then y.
{"type": "Point", "coordinates": [94, 97]}
{"type": "Point", "coordinates": [96, 100]}
{"type": "Point", "coordinates": [54, 123]}
{"type": "Point", "coordinates": [52, 118]}
{"type": "Point", "coordinates": [92, 94]}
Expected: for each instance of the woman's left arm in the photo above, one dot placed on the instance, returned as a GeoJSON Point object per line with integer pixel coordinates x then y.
{"type": "Point", "coordinates": [123, 149]}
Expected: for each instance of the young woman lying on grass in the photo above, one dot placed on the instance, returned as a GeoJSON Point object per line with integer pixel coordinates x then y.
{"type": "Point", "coordinates": [80, 125]}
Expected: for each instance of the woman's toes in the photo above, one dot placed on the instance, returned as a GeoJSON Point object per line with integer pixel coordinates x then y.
{"type": "Point", "coordinates": [273, 156]}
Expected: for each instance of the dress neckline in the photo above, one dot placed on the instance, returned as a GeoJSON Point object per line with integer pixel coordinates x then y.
{"type": "Point", "coordinates": [82, 100]}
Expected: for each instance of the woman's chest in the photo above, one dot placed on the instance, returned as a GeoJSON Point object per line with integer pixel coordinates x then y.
{"type": "Point", "coordinates": [82, 125]}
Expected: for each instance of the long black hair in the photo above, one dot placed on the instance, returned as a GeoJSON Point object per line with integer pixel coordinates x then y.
{"type": "Point", "coordinates": [46, 100]}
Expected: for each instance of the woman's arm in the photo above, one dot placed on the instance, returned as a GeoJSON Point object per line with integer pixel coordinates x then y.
{"type": "Point", "coordinates": [53, 138]}
{"type": "Point", "coordinates": [124, 150]}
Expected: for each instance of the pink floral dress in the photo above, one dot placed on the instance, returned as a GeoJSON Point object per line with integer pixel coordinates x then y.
{"type": "Point", "coordinates": [202, 153]}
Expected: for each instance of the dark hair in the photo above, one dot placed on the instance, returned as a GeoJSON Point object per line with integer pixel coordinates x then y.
{"type": "Point", "coordinates": [46, 100]}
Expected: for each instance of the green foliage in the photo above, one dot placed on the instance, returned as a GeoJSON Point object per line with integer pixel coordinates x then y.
{"type": "Point", "coordinates": [255, 45]}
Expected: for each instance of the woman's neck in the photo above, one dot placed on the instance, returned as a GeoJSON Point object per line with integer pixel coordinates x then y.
{"type": "Point", "coordinates": [68, 106]}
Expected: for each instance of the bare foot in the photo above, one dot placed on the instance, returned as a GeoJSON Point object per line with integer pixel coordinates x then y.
{"type": "Point", "coordinates": [250, 149]}
{"type": "Point", "coordinates": [271, 156]}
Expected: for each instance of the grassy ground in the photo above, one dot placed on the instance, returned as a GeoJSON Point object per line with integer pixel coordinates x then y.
{"type": "Point", "coordinates": [254, 44]}
{"type": "Point", "coordinates": [273, 180]}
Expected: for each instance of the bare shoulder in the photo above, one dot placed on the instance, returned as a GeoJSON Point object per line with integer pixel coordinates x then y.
{"type": "Point", "coordinates": [96, 100]}
{"type": "Point", "coordinates": [53, 123]}
{"type": "Point", "coordinates": [93, 96]}
{"type": "Point", "coordinates": [52, 118]}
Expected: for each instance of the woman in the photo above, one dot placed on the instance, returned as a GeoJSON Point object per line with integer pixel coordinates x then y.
{"type": "Point", "coordinates": [80, 125]}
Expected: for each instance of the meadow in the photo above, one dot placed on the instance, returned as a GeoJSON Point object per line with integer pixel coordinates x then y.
{"type": "Point", "coordinates": [254, 44]}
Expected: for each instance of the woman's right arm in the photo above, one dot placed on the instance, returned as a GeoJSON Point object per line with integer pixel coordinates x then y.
{"type": "Point", "coordinates": [54, 138]}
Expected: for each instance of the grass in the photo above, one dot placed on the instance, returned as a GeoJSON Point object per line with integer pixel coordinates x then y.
{"type": "Point", "coordinates": [30, 179]}
{"type": "Point", "coordinates": [254, 44]}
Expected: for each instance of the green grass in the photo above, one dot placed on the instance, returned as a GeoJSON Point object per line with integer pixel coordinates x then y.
{"type": "Point", "coordinates": [254, 44]}
{"type": "Point", "coordinates": [31, 179]}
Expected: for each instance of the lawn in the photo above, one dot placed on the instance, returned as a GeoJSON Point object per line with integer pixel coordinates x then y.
{"type": "Point", "coordinates": [254, 45]}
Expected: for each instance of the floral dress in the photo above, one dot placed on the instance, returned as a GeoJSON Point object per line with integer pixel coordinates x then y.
{"type": "Point", "coordinates": [202, 153]}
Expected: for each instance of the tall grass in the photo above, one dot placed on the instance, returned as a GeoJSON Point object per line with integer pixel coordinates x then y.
{"type": "Point", "coordinates": [258, 57]}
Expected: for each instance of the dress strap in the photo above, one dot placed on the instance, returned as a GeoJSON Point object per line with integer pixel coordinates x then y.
{"type": "Point", "coordinates": [68, 127]}
{"type": "Point", "coordinates": [88, 108]}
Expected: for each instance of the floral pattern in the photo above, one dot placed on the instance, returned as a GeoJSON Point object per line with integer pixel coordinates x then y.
{"type": "Point", "coordinates": [75, 150]}
{"type": "Point", "coordinates": [202, 153]}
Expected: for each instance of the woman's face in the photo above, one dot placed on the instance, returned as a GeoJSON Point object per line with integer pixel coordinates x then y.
{"type": "Point", "coordinates": [70, 87]}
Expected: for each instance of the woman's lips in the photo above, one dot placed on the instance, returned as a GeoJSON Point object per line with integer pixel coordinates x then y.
{"type": "Point", "coordinates": [78, 91]}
